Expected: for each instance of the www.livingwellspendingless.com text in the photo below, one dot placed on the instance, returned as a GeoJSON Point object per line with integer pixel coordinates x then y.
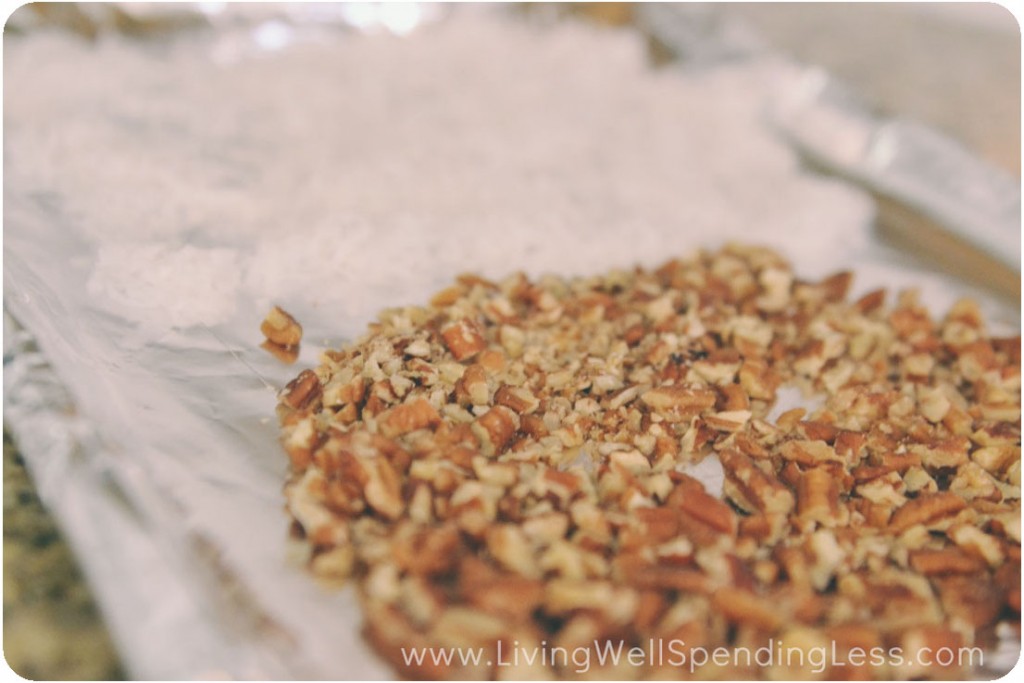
{"type": "Point", "coordinates": [675, 653]}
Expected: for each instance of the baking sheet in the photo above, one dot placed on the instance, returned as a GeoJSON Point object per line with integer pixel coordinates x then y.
{"type": "Point", "coordinates": [141, 271]}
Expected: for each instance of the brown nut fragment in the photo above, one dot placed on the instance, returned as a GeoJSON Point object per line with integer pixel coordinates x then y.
{"type": "Point", "coordinates": [302, 392]}
{"type": "Point", "coordinates": [809, 452]}
{"type": "Point", "coordinates": [646, 576]}
{"type": "Point", "coordinates": [926, 509]}
{"type": "Point", "coordinates": [679, 399]}
{"type": "Point", "coordinates": [818, 498]}
{"type": "Point", "coordinates": [817, 430]}
{"type": "Point", "coordinates": [948, 452]}
{"type": "Point", "coordinates": [696, 505]}
{"type": "Point", "coordinates": [751, 488]}
{"type": "Point", "coordinates": [758, 379]}
{"type": "Point", "coordinates": [512, 549]}
{"type": "Point", "coordinates": [978, 543]}
{"type": "Point", "coordinates": [495, 429]}
{"type": "Point", "coordinates": [492, 360]}
{"type": "Point", "coordinates": [408, 417]}
{"type": "Point", "coordinates": [972, 482]}
{"type": "Point", "coordinates": [518, 399]}
{"type": "Point", "coordinates": [463, 339]}
{"type": "Point", "coordinates": [728, 420]}
{"type": "Point", "coordinates": [945, 561]}
{"type": "Point", "coordinates": [471, 389]}
{"type": "Point", "coordinates": [285, 354]}
{"type": "Point", "coordinates": [280, 328]}
{"type": "Point", "coordinates": [428, 551]}
{"type": "Point", "coordinates": [508, 596]}
{"type": "Point", "coordinates": [996, 459]}
{"type": "Point", "coordinates": [743, 607]}
{"type": "Point", "coordinates": [383, 488]}
{"type": "Point", "coordinates": [974, 599]}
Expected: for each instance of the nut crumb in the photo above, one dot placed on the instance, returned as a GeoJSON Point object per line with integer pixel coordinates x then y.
{"type": "Point", "coordinates": [283, 333]}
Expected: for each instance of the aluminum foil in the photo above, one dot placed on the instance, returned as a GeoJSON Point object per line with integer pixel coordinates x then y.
{"type": "Point", "coordinates": [159, 454]}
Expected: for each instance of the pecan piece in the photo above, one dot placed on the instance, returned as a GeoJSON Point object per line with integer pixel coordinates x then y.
{"type": "Point", "coordinates": [383, 488]}
{"type": "Point", "coordinates": [495, 429]}
{"type": "Point", "coordinates": [751, 488]}
{"type": "Point", "coordinates": [978, 543]}
{"type": "Point", "coordinates": [302, 392]}
{"type": "Point", "coordinates": [758, 379]}
{"type": "Point", "coordinates": [281, 329]}
{"type": "Point", "coordinates": [519, 399]}
{"type": "Point", "coordinates": [818, 497]}
{"type": "Point", "coordinates": [409, 417]}
{"type": "Point", "coordinates": [285, 354]}
{"type": "Point", "coordinates": [949, 452]}
{"type": "Point", "coordinates": [695, 505]}
{"type": "Point", "coordinates": [944, 561]}
{"type": "Point", "coordinates": [509, 596]}
{"type": "Point", "coordinates": [679, 399]}
{"type": "Point", "coordinates": [463, 338]}
{"type": "Point", "coordinates": [974, 599]}
{"type": "Point", "coordinates": [428, 551]}
{"type": "Point", "coordinates": [808, 452]}
{"type": "Point", "coordinates": [926, 509]}
{"type": "Point", "coordinates": [471, 389]}
{"type": "Point", "coordinates": [743, 607]}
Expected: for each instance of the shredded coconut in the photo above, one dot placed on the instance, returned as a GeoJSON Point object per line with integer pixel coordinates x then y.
{"type": "Point", "coordinates": [359, 172]}
{"type": "Point", "coordinates": [161, 286]}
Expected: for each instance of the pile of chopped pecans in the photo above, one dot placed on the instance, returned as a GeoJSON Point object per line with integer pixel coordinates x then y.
{"type": "Point", "coordinates": [504, 465]}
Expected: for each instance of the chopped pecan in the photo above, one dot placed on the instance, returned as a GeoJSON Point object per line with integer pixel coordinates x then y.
{"type": "Point", "coordinates": [427, 551]}
{"type": "Point", "coordinates": [695, 505]}
{"type": "Point", "coordinates": [758, 379]}
{"type": "Point", "coordinates": [944, 561]}
{"type": "Point", "coordinates": [471, 389]}
{"type": "Point", "coordinates": [751, 488]}
{"type": "Point", "coordinates": [383, 488]}
{"type": "Point", "coordinates": [949, 452]}
{"type": "Point", "coordinates": [679, 399]}
{"type": "Point", "coordinates": [281, 329]}
{"type": "Point", "coordinates": [464, 339]}
{"type": "Point", "coordinates": [809, 452]}
{"type": "Point", "coordinates": [818, 498]}
{"type": "Point", "coordinates": [996, 459]}
{"type": "Point", "coordinates": [728, 421]}
{"type": "Point", "coordinates": [402, 419]}
{"type": "Point", "coordinates": [495, 429]}
{"type": "Point", "coordinates": [927, 509]}
{"type": "Point", "coordinates": [978, 543]}
{"type": "Point", "coordinates": [302, 392]}
{"type": "Point", "coordinates": [285, 354]}
{"type": "Point", "coordinates": [974, 599]}
{"type": "Point", "coordinates": [509, 596]}
{"type": "Point", "coordinates": [509, 545]}
{"type": "Point", "coordinates": [743, 607]}
{"type": "Point", "coordinates": [519, 399]}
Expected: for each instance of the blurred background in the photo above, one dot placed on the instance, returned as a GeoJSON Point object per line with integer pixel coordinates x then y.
{"type": "Point", "coordinates": [952, 66]}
